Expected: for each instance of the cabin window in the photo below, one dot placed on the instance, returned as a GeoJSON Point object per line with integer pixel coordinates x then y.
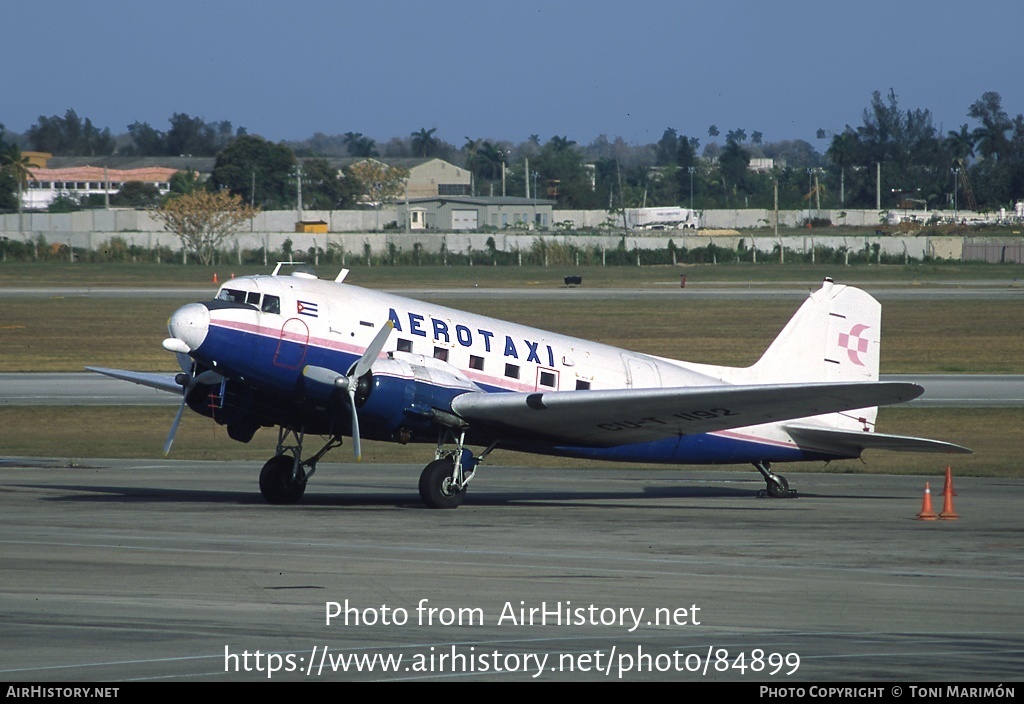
{"type": "Point", "coordinates": [476, 362]}
{"type": "Point", "coordinates": [404, 345]}
{"type": "Point", "coordinates": [547, 379]}
{"type": "Point", "coordinates": [582, 385]}
{"type": "Point", "coordinates": [271, 304]}
{"type": "Point", "coordinates": [512, 371]}
{"type": "Point", "coordinates": [441, 353]}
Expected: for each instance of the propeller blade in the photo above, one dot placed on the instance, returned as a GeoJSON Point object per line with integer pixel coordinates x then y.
{"type": "Point", "coordinates": [357, 448]}
{"type": "Point", "coordinates": [325, 376]}
{"type": "Point", "coordinates": [207, 377]}
{"type": "Point", "coordinates": [360, 369]}
{"type": "Point", "coordinates": [184, 361]}
{"type": "Point", "coordinates": [174, 427]}
{"type": "Point", "coordinates": [372, 352]}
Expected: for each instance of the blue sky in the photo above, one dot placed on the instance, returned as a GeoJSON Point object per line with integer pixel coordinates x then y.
{"type": "Point", "coordinates": [506, 70]}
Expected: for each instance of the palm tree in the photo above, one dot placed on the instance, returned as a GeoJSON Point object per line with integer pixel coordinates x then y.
{"type": "Point", "coordinates": [560, 144]}
{"type": "Point", "coordinates": [20, 169]}
{"type": "Point", "coordinates": [489, 159]}
{"type": "Point", "coordinates": [471, 146]}
{"type": "Point", "coordinates": [990, 138]}
{"type": "Point", "coordinates": [960, 143]}
{"type": "Point", "coordinates": [424, 143]}
{"type": "Point", "coordinates": [839, 153]}
{"type": "Point", "coordinates": [360, 146]}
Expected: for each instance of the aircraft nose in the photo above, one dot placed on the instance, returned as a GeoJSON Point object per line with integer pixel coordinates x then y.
{"type": "Point", "coordinates": [189, 324]}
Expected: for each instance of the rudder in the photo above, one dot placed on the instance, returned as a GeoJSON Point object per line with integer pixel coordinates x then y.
{"type": "Point", "coordinates": [834, 336]}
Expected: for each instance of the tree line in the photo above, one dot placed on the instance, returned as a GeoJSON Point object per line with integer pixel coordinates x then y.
{"type": "Point", "coordinates": [893, 155]}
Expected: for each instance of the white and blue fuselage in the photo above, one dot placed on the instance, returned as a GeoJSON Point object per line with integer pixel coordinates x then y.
{"type": "Point", "coordinates": [261, 332]}
{"type": "Point", "coordinates": [325, 358]}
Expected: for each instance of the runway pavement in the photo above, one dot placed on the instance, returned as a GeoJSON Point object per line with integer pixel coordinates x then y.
{"type": "Point", "coordinates": [140, 570]}
{"type": "Point", "coordinates": [88, 389]}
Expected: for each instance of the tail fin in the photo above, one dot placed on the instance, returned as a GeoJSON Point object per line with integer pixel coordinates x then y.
{"type": "Point", "coordinates": [834, 336]}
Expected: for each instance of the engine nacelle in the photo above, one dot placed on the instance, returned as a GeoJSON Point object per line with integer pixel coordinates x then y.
{"type": "Point", "coordinates": [408, 396]}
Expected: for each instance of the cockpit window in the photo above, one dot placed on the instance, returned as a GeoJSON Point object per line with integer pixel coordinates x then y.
{"type": "Point", "coordinates": [253, 298]}
{"type": "Point", "coordinates": [231, 295]}
{"type": "Point", "coordinates": [271, 304]}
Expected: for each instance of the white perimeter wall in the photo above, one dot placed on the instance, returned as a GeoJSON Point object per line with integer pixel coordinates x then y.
{"type": "Point", "coordinates": [352, 230]}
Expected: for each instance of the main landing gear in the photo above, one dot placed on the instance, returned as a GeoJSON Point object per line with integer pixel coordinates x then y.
{"type": "Point", "coordinates": [283, 478]}
{"type": "Point", "coordinates": [777, 486]}
{"type": "Point", "coordinates": [443, 481]}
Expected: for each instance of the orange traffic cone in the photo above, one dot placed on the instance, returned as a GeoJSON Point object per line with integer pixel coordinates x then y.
{"type": "Point", "coordinates": [215, 277]}
{"type": "Point", "coordinates": [948, 488]}
{"type": "Point", "coordinates": [927, 512]}
{"type": "Point", "coordinates": [948, 514]}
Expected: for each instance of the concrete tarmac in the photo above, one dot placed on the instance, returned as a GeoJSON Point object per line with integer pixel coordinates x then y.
{"type": "Point", "coordinates": [120, 570]}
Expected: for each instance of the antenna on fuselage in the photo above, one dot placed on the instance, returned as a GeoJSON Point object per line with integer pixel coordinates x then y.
{"type": "Point", "coordinates": [292, 262]}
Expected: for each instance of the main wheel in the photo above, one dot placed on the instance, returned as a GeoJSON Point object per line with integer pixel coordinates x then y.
{"type": "Point", "coordinates": [436, 488]}
{"type": "Point", "coordinates": [778, 487]}
{"type": "Point", "coordinates": [276, 483]}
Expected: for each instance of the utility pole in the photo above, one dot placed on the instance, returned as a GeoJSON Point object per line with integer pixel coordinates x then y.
{"type": "Point", "coordinates": [878, 186]}
{"type": "Point", "coordinates": [775, 183]}
{"type": "Point", "coordinates": [956, 177]}
{"type": "Point", "coordinates": [534, 223]}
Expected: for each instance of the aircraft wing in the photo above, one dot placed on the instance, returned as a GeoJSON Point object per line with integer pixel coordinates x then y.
{"type": "Point", "coordinates": [845, 440]}
{"type": "Point", "coordinates": [621, 417]}
{"type": "Point", "coordinates": [161, 382]}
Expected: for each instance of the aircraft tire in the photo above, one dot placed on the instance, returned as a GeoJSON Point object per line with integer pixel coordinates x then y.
{"type": "Point", "coordinates": [778, 487]}
{"type": "Point", "coordinates": [434, 489]}
{"type": "Point", "coordinates": [276, 483]}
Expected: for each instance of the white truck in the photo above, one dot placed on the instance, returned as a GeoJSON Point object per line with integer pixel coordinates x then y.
{"type": "Point", "coordinates": [662, 218]}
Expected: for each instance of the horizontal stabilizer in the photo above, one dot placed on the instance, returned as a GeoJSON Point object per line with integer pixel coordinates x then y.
{"type": "Point", "coordinates": [626, 416]}
{"type": "Point", "coordinates": [161, 382]}
{"type": "Point", "coordinates": [845, 440]}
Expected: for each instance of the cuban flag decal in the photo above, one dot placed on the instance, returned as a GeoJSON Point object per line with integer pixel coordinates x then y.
{"type": "Point", "coordinates": [306, 308]}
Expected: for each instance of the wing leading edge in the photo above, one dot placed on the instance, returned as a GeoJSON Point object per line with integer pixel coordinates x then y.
{"type": "Point", "coordinates": [161, 382]}
{"type": "Point", "coordinates": [621, 417]}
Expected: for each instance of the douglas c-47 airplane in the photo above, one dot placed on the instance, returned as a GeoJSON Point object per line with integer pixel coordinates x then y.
{"type": "Point", "coordinates": [325, 358]}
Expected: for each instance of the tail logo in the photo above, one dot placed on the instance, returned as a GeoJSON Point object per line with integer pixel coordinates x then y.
{"type": "Point", "coordinates": [854, 344]}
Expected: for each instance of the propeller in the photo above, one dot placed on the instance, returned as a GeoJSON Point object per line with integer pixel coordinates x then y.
{"type": "Point", "coordinates": [350, 382]}
{"type": "Point", "coordinates": [188, 380]}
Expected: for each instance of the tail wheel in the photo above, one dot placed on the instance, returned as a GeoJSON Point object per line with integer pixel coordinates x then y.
{"type": "Point", "coordinates": [277, 484]}
{"type": "Point", "coordinates": [436, 487]}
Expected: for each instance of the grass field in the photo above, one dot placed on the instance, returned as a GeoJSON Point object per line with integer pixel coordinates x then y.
{"type": "Point", "coordinates": [65, 333]}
